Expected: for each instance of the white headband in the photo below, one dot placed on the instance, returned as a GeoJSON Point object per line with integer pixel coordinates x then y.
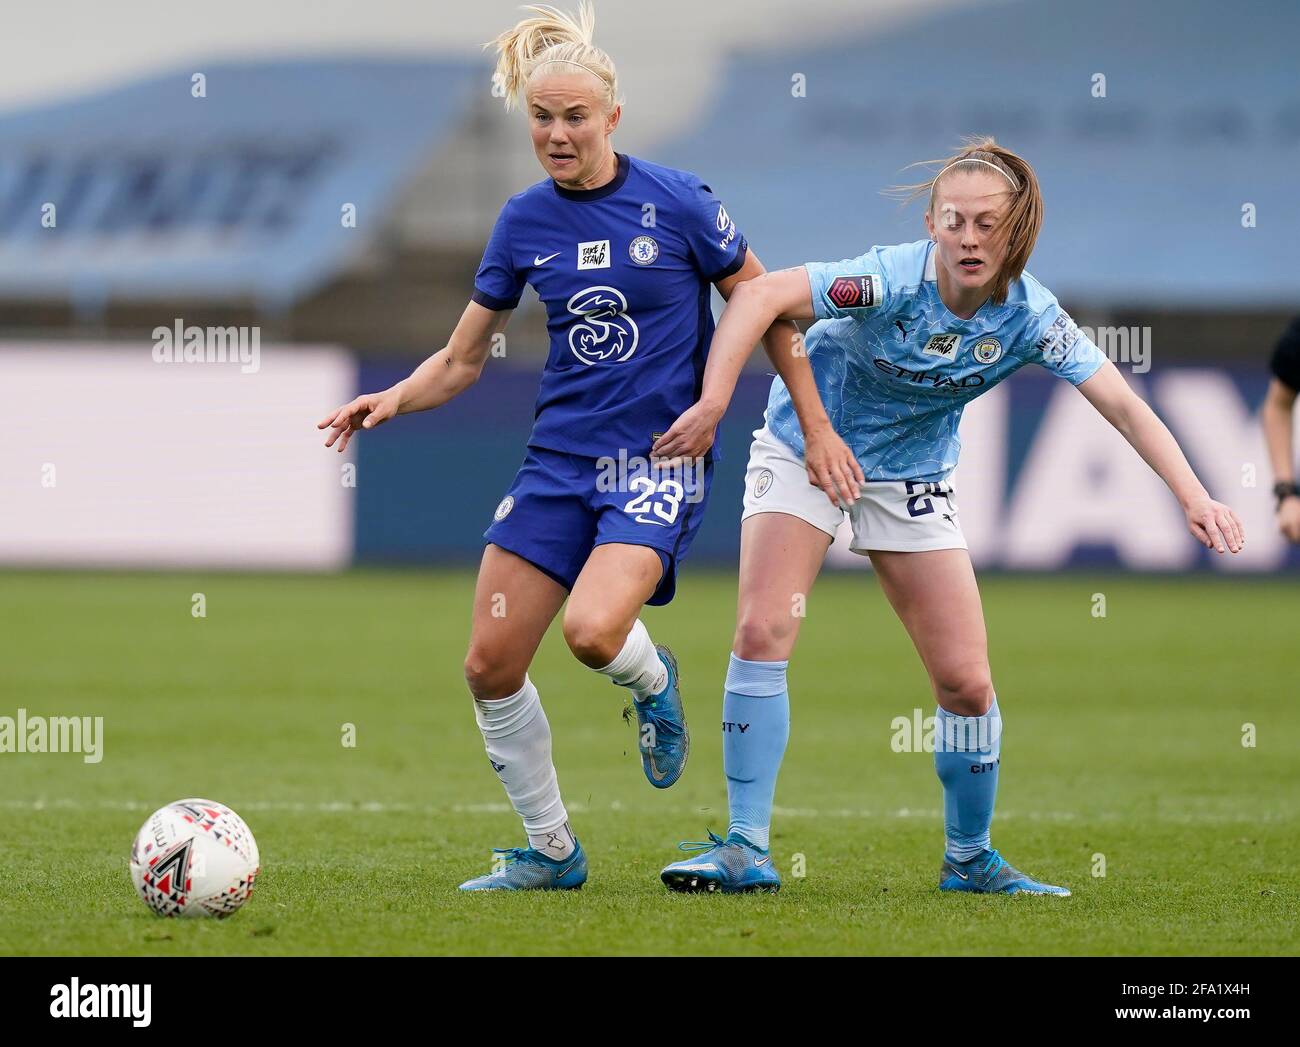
{"type": "Point", "coordinates": [977, 160]}
{"type": "Point", "coordinates": [563, 61]}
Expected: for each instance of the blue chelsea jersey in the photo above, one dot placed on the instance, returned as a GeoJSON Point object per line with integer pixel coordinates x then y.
{"type": "Point", "coordinates": [895, 368]}
{"type": "Point", "coordinates": [624, 272]}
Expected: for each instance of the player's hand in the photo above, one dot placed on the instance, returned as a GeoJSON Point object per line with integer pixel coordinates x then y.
{"type": "Point", "coordinates": [365, 412]}
{"type": "Point", "coordinates": [832, 466]}
{"type": "Point", "coordinates": [1288, 518]}
{"type": "Point", "coordinates": [690, 436]}
{"type": "Point", "coordinates": [1214, 525]}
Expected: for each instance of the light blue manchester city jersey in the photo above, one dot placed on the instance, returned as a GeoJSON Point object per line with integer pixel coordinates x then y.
{"type": "Point", "coordinates": [895, 368]}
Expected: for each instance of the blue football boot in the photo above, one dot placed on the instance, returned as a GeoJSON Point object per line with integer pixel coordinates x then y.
{"type": "Point", "coordinates": [989, 873]}
{"type": "Point", "coordinates": [665, 742]}
{"type": "Point", "coordinates": [731, 866]}
{"type": "Point", "coordinates": [526, 869]}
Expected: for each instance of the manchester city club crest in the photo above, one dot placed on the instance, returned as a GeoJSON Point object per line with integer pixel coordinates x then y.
{"type": "Point", "coordinates": [987, 350]}
{"type": "Point", "coordinates": [763, 482]}
{"type": "Point", "coordinates": [644, 250]}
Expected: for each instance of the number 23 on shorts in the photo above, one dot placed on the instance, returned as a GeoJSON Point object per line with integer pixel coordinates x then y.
{"type": "Point", "coordinates": [663, 499]}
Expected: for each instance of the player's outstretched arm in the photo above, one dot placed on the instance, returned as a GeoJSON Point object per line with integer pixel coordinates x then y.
{"type": "Point", "coordinates": [447, 373]}
{"type": "Point", "coordinates": [1212, 523]}
{"type": "Point", "coordinates": [760, 305]}
{"type": "Point", "coordinates": [746, 319]}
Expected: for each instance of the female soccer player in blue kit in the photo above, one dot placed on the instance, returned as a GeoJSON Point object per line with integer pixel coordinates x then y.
{"type": "Point", "coordinates": [905, 336]}
{"type": "Point", "coordinates": [623, 253]}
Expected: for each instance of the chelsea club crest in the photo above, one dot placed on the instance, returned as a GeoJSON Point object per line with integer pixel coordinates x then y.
{"type": "Point", "coordinates": [644, 250]}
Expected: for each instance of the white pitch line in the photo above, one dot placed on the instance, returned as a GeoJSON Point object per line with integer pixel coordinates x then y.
{"type": "Point", "coordinates": [901, 813]}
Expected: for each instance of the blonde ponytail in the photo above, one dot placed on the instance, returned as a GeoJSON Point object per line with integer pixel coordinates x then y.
{"type": "Point", "coordinates": [550, 42]}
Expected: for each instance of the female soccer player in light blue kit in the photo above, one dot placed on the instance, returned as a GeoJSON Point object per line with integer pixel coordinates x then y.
{"type": "Point", "coordinates": [628, 311]}
{"type": "Point", "coordinates": [905, 337]}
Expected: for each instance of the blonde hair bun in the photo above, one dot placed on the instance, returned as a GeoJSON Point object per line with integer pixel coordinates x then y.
{"type": "Point", "coordinates": [551, 41]}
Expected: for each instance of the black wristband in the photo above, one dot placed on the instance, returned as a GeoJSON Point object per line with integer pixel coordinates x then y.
{"type": "Point", "coordinates": [1284, 490]}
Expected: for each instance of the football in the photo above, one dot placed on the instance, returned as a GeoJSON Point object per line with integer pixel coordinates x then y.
{"type": "Point", "coordinates": [194, 858]}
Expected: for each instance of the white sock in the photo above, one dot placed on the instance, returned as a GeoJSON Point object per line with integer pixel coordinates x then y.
{"type": "Point", "coordinates": [638, 666]}
{"type": "Point", "coordinates": [558, 844]}
{"type": "Point", "coordinates": [517, 737]}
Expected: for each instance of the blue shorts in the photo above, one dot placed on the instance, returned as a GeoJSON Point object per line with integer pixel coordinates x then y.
{"type": "Point", "coordinates": [561, 506]}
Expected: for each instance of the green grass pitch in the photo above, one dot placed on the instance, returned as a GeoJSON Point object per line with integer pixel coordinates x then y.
{"type": "Point", "coordinates": [1123, 739]}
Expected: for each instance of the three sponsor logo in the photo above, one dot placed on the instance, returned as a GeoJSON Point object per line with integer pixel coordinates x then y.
{"type": "Point", "coordinates": [603, 333]}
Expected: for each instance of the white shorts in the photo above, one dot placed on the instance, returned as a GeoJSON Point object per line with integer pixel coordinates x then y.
{"type": "Point", "coordinates": [890, 515]}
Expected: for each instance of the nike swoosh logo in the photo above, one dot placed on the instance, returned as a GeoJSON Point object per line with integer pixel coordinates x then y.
{"type": "Point", "coordinates": [655, 773]}
{"type": "Point", "coordinates": [565, 872]}
{"type": "Point", "coordinates": [539, 260]}
{"type": "Point", "coordinates": [960, 874]}
{"type": "Point", "coordinates": [763, 861]}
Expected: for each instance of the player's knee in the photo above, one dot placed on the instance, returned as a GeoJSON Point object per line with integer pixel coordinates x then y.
{"type": "Point", "coordinates": [966, 691]}
{"type": "Point", "coordinates": [763, 637]}
{"type": "Point", "coordinates": [491, 678]}
{"type": "Point", "coordinates": [595, 637]}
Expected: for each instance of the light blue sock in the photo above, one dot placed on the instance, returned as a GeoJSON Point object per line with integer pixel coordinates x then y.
{"type": "Point", "coordinates": [967, 753]}
{"type": "Point", "coordinates": [755, 728]}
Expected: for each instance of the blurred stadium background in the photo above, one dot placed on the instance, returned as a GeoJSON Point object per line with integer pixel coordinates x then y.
{"type": "Point", "coordinates": [1166, 136]}
{"type": "Point", "coordinates": [128, 204]}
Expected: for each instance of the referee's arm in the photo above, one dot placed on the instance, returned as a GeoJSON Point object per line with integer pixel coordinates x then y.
{"type": "Point", "coordinates": [1279, 421]}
